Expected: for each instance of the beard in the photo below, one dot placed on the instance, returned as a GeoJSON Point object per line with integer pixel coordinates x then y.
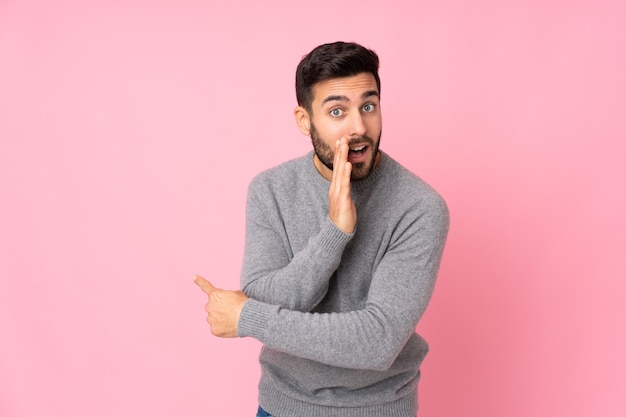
{"type": "Point", "coordinates": [326, 155]}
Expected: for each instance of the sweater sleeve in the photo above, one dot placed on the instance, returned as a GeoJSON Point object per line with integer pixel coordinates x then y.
{"type": "Point", "coordinates": [294, 281]}
{"type": "Point", "coordinates": [372, 337]}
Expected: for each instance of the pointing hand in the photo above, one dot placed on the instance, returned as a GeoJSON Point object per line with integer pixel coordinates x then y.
{"type": "Point", "coordinates": [223, 308]}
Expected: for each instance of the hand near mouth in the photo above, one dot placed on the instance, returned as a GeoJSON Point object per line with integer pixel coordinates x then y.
{"type": "Point", "coordinates": [341, 209]}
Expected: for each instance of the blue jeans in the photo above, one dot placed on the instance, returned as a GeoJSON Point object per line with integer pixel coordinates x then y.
{"type": "Point", "coordinates": [263, 413]}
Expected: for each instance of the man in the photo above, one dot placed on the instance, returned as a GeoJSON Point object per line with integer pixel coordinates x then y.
{"type": "Point", "coordinates": [341, 255]}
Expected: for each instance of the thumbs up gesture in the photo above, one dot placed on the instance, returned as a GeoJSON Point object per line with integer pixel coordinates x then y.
{"type": "Point", "coordinates": [223, 308]}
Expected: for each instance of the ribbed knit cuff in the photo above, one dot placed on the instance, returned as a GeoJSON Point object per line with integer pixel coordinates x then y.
{"type": "Point", "coordinates": [332, 238]}
{"type": "Point", "coordinates": [253, 319]}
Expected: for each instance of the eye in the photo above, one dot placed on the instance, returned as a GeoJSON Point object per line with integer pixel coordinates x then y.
{"type": "Point", "coordinates": [336, 112]}
{"type": "Point", "coordinates": [368, 108]}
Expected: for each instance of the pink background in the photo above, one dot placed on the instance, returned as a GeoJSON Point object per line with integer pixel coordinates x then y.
{"type": "Point", "coordinates": [129, 131]}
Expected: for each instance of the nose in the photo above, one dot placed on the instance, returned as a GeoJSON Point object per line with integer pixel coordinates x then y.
{"type": "Point", "coordinates": [357, 125]}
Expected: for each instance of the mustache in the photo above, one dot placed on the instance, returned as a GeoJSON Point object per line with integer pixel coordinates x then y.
{"type": "Point", "coordinates": [359, 140]}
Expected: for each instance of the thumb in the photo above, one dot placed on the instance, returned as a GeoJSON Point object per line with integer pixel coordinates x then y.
{"type": "Point", "coordinates": [205, 285]}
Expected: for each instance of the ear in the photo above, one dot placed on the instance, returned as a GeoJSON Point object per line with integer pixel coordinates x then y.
{"type": "Point", "coordinates": [303, 120]}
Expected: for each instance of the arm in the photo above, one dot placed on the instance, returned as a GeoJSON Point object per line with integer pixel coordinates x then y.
{"type": "Point", "coordinates": [274, 275]}
{"type": "Point", "coordinates": [370, 338]}
{"type": "Point", "coordinates": [271, 273]}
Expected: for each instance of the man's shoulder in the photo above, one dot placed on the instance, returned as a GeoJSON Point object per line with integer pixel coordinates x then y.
{"type": "Point", "coordinates": [283, 174]}
{"type": "Point", "coordinates": [397, 173]}
{"type": "Point", "coordinates": [407, 186]}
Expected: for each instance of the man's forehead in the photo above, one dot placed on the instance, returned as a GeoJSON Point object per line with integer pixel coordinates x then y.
{"type": "Point", "coordinates": [356, 86]}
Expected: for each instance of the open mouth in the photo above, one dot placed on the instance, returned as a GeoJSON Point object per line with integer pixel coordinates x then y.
{"type": "Point", "coordinates": [358, 154]}
{"type": "Point", "coordinates": [358, 150]}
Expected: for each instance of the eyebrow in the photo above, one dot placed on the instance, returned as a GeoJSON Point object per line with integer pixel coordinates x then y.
{"type": "Point", "coordinates": [366, 94]}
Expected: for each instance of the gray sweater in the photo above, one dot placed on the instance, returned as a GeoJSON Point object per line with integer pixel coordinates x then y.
{"type": "Point", "coordinates": [337, 312]}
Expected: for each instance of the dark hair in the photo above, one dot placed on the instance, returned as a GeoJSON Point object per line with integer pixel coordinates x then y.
{"type": "Point", "coordinates": [333, 60]}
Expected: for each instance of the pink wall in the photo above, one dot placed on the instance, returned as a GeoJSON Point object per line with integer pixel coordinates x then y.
{"type": "Point", "coordinates": [129, 131]}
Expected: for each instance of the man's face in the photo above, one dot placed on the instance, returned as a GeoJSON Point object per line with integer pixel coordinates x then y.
{"type": "Point", "coordinates": [347, 107]}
